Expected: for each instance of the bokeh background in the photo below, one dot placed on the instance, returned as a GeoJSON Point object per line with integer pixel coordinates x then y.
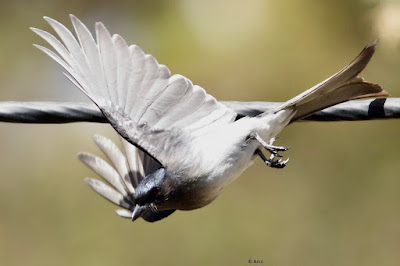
{"type": "Point", "coordinates": [336, 203]}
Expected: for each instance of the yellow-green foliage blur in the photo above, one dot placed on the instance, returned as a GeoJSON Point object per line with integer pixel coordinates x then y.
{"type": "Point", "coordinates": [336, 203]}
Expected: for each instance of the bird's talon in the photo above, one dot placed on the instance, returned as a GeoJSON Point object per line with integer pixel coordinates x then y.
{"type": "Point", "coordinates": [278, 163]}
{"type": "Point", "coordinates": [273, 150]}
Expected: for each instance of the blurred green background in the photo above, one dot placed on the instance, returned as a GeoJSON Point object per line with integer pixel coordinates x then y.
{"type": "Point", "coordinates": [336, 203]}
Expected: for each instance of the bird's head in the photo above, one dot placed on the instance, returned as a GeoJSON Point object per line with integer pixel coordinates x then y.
{"type": "Point", "coordinates": [155, 192]}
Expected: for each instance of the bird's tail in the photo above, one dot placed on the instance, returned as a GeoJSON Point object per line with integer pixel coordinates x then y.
{"type": "Point", "coordinates": [343, 86]}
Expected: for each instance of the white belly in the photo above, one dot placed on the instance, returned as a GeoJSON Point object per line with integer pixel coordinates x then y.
{"type": "Point", "coordinates": [224, 154]}
{"type": "Point", "coordinates": [223, 157]}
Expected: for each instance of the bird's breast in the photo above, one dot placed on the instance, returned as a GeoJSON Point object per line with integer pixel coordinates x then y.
{"type": "Point", "coordinates": [221, 157]}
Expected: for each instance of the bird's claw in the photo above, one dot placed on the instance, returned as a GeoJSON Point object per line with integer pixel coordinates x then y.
{"type": "Point", "coordinates": [273, 150]}
{"type": "Point", "coordinates": [274, 153]}
{"type": "Point", "coordinates": [277, 163]}
{"type": "Point", "coordinates": [271, 162]}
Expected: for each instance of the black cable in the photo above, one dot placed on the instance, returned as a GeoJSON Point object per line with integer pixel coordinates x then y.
{"type": "Point", "coordinates": [65, 112]}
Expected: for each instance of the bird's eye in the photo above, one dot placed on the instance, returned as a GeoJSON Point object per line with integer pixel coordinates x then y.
{"type": "Point", "coordinates": [155, 193]}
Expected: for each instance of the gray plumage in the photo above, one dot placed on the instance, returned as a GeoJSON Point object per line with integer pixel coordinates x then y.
{"type": "Point", "coordinates": [198, 144]}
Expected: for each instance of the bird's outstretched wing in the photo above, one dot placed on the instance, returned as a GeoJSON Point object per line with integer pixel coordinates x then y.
{"type": "Point", "coordinates": [129, 167]}
{"type": "Point", "coordinates": [143, 102]}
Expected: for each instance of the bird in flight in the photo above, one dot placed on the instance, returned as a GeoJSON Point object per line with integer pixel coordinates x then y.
{"type": "Point", "coordinates": [181, 147]}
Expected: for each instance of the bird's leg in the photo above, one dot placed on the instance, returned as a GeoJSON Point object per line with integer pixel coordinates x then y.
{"type": "Point", "coordinates": [273, 150]}
{"type": "Point", "coordinates": [268, 146]}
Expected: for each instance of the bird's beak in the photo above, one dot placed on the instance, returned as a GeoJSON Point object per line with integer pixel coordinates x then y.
{"type": "Point", "coordinates": [137, 212]}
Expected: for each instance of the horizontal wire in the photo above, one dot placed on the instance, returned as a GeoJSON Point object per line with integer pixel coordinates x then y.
{"type": "Point", "coordinates": [67, 112]}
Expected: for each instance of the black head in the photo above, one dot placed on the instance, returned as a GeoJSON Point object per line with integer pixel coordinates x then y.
{"type": "Point", "coordinates": [153, 192]}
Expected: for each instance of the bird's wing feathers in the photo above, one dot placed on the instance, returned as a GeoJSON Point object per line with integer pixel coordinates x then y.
{"type": "Point", "coordinates": [143, 102]}
{"type": "Point", "coordinates": [140, 163]}
{"type": "Point", "coordinates": [129, 167]}
{"type": "Point", "coordinates": [107, 192]}
{"type": "Point", "coordinates": [117, 158]}
{"type": "Point", "coordinates": [343, 86]}
{"type": "Point", "coordinates": [106, 171]}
